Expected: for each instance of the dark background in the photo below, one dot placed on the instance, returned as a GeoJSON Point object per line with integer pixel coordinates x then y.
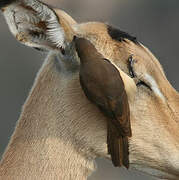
{"type": "Point", "coordinates": [154, 22]}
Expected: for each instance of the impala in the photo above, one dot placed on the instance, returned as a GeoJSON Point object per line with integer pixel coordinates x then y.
{"type": "Point", "coordinates": [60, 133]}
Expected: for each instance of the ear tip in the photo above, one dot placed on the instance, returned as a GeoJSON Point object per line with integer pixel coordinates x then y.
{"type": "Point", "coordinates": [4, 3]}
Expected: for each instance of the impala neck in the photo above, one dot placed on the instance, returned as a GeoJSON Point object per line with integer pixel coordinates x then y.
{"type": "Point", "coordinates": [43, 144]}
{"type": "Point", "coordinates": [59, 133]}
{"type": "Point", "coordinates": [172, 97]}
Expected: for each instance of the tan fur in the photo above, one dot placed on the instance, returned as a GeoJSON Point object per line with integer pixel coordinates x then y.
{"type": "Point", "coordinates": [96, 32]}
{"type": "Point", "coordinates": [129, 84]}
{"type": "Point", "coordinates": [60, 133]}
{"type": "Point", "coordinates": [154, 147]}
{"type": "Point", "coordinates": [66, 22]}
{"type": "Point", "coordinates": [47, 138]}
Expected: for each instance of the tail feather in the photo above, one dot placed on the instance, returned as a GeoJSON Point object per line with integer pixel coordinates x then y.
{"type": "Point", "coordinates": [125, 149]}
{"type": "Point", "coordinates": [113, 146]}
{"type": "Point", "coordinates": [118, 147]}
{"type": "Point", "coordinates": [108, 140]}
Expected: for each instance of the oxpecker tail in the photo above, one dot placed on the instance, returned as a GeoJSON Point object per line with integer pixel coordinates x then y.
{"type": "Point", "coordinates": [124, 144]}
{"type": "Point", "coordinates": [118, 147]}
{"type": "Point", "coordinates": [113, 146]}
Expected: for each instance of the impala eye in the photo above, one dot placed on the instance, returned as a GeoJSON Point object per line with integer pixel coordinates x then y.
{"type": "Point", "coordinates": [130, 66]}
{"type": "Point", "coordinates": [142, 83]}
{"type": "Point", "coordinates": [139, 82]}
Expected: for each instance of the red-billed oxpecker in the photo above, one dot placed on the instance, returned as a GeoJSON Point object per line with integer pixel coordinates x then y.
{"type": "Point", "coordinates": [102, 84]}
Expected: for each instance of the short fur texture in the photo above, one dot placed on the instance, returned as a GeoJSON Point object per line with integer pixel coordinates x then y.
{"type": "Point", "coordinates": [57, 106]}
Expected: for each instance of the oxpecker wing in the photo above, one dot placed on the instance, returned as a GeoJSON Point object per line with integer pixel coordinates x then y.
{"type": "Point", "coordinates": [103, 86]}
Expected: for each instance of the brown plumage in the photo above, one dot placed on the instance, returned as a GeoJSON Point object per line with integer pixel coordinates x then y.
{"type": "Point", "coordinates": [103, 86]}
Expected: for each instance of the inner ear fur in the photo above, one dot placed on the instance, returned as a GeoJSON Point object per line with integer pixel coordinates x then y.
{"type": "Point", "coordinates": [37, 25]}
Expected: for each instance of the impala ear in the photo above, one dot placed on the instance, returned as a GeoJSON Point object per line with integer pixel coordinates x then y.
{"type": "Point", "coordinates": [37, 25]}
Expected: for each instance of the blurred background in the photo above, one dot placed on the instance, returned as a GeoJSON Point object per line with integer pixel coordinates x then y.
{"type": "Point", "coordinates": [155, 23]}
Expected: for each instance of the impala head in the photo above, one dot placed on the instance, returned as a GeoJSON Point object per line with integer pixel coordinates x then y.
{"type": "Point", "coordinates": [154, 147]}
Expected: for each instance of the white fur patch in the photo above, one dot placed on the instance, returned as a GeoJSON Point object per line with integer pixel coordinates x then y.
{"type": "Point", "coordinates": [16, 12]}
{"type": "Point", "coordinates": [154, 86]}
{"type": "Point", "coordinates": [129, 84]}
{"type": "Point", "coordinates": [55, 32]}
{"type": "Point", "coordinates": [10, 20]}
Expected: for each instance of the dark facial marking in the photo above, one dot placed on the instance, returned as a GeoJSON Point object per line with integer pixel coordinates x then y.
{"type": "Point", "coordinates": [142, 83]}
{"type": "Point", "coordinates": [39, 49]}
{"type": "Point", "coordinates": [131, 62]}
{"type": "Point", "coordinates": [119, 35]}
{"type": "Point", "coordinates": [130, 67]}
